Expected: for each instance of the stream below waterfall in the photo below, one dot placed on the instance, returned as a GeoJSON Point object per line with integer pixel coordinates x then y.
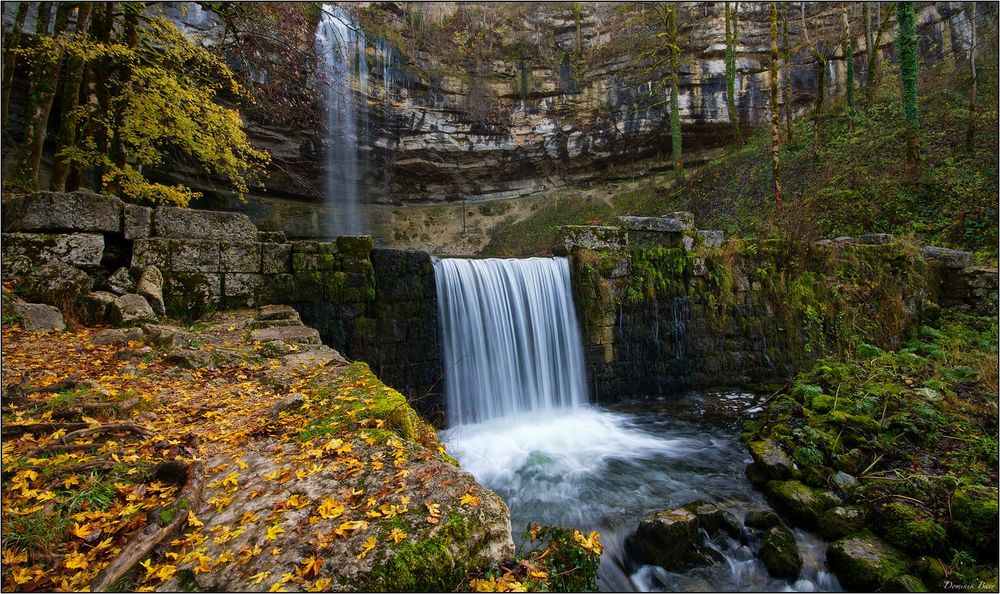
{"type": "Point", "coordinates": [604, 469]}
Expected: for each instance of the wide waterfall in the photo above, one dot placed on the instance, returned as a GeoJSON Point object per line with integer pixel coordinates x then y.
{"type": "Point", "coordinates": [512, 344]}
{"type": "Point", "coordinates": [340, 46]}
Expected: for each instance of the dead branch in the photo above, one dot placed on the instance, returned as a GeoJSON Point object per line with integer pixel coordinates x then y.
{"type": "Point", "coordinates": [135, 551]}
{"type": "Point", "coordinates": [64, 441]}
{"type": "Point", "coordinates": [37, 428]}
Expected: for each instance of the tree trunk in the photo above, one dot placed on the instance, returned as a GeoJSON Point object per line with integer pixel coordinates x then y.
{"type": "Point", "coordinates": [734, 116]}
{"type": "Point", "coordinates": [118, 150]}
{"type": "Point", "coordinates": [10, 58]}
{"type": "Point", "coordinates": [675, 118]}
{"type": "Point", "coordinates": [41, 95]}
{"type": "Point", "coordinates": [788, 100]}
{"type": "Point", "coordinates": [101, 96]}
{"type": "Point", "coordinates": [907, 46]}
{"type": "Point", "coordinates": [75, 67]}
{"type": "Point", "coordinates": [818, 109]}
{"type": "Point", "coordinates": [869, 40]}
{"type": "Point", "coordinates": [775, 119]}
{"type": "Point", "coordinates": [873, 53]}
{"type": "Point", "coordinates": [848, 49]}
{"type": "Point", "coordinates": [970, 133]}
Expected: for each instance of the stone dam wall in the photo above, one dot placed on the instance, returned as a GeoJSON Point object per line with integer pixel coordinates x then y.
{"type": "Point", "coordinates": [664, 307]}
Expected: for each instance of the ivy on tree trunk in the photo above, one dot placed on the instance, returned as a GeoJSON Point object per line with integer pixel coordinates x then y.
{"type": "Point", "coordinates": [775, 118]}
{"type": "Point", "coordinates": [906, 44]}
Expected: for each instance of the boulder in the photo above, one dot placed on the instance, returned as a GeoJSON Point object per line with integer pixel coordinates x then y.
{"type": "Point", "coordinates": [912, 530]}
{"type": "Point", "coordinates": [975, 512]}
{"type": "Point", "coordinates": [711, 238]}
{"type": "Point", "coordinates": [843, 481]}
{"type": "Point", "coordinates": [38, 316]}
{"type": "Point", "coordinates": [76, 249]}
{"type": "Point", "coordinates": [685, 218]}
{"type": "Point", "coordinates": [295, 334]}
{"type": "Point", "coordinates": [117, 336]}
{"type": "Point", "coordinates": [63, 211]}
{"type": "Point", "coordinates": [907, 583]}
{"type": "Point", "coordinates": [772, 460]}
{"type": "Point", "coordinates": [131, 310]}
{"type": "Point", "coordinates": [278, 313]}
{"type": "Point", "coordinates": [170, 337]}
{"type": "Point", "coordinates": [188, 223]}
{"type": "Point", "coordinates": [801, 504]}
{"type": "Point", "coordinates": [189, 358]}
{"type": "Point", "coordinates": [671, 538]}
{"type": "Point", "coordinates": [947, 257]}
{"type": "Point", "coordinates": [839, 522]}
{"type": "Point", "coordinates": [863, 563]}
{"type": "Point", "coordinates": [120, 282]}
{"type": "Point", "coordinates": [151, 287]}
{"type": "Point", "coordinates": [56, 283]}
{"type": "Point", "coordinates": [780, 553]}
{"type": "Point", "coordinates": [96, 307]}
{"type": "Point", "coordinates": [875, 238]}
{"type": "Point", "coordinates": [762, 520]}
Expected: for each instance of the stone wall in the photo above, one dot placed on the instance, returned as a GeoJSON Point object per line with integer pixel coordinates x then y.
{"type": "Point", "coordinates": [689, 312]}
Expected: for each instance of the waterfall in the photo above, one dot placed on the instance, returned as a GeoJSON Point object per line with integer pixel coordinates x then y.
{"type": "Point", "coordinates": [340, 45]}
{"type": "Point", "coordinates": [512, 344]}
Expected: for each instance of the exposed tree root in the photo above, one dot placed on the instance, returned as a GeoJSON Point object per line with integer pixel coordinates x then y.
{"type": "Point", "coordinates": [64, 441]}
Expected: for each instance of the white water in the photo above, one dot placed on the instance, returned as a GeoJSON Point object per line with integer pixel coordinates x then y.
{"type": "Point", "coordinates": [512, 345]}
{"type": "Point", "coordinates": [340, 46]}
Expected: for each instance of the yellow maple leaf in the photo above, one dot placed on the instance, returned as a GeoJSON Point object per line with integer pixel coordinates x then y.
{"type": "Point", "coordinates": [397, 535]}
{"type": "Point", "coordinates": [433, 509]}
{"type": "Point", "coordinates": [589, 543]}
{"type": "Point", "coordinates": [12, 557]}
{"type": "Point", "coordinates": [311, 565]}
{"type": "Point", "coordinates": [71, 480]}
{"type": "Point", "coordinates": [366, 547]}
{"type": "Point", "coordinates": [204, 564]}
{"type": "Point", "coordinates": [330, 508]}
{"type": "Point", "coordinates": [321, 585]}
{"type": "Point", "coordinates": [297, 500]}
{"type": "Point", "coordinates": [76, 561]}
{"type": "Point", "coordinates": [347, 447]}
{"type": "Point", "coordinates": [274, 531]}
{"type": "Point", "coordinates": [257, 578]}
{"type": "Point", "coordinates": [166, 572]}
{"type": "Point", "coordinates": [22, 576]}
{"type": "Point", "coordinates": [194, 521]}
{"type": "Point", "coordinates": [469, 499]}
{"type": "Point", "coordinates": [231, 480]}
{"type": "Point", "coordinates": [82, 531]}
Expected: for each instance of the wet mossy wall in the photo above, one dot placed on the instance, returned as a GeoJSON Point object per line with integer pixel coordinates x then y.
{"type": "Point", "coordinates": [659, 321]}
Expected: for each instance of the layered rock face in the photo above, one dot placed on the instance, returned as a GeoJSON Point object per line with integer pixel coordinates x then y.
{"type": "Point", "coordinates": [564, 96]}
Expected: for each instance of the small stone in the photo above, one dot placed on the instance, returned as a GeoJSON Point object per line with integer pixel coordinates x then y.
{"type": "Point", "coordinates": [167, 336]}
{"type": "Point", "coordinates": [840, 522]}
{"type": "Point", "coordinates": [117, 336]}
{"type": "Point", "coordinates": [290, 402]}
{"type": "Point", "coordinates": [875, 238]}
{"type": "Point", "coordinates": [947, 257]}
{"type": "Point", "coordinates": [189, 358]}
{"type": "Point", "coordinates": [131, 310]}
{"type": "Point", "coordinates": [278, 312]}
{"type": "Point", "coordinates": [771, 459]}
{"type": "Point", "coordinates": [843, 481]}
{"type": "Point", "coordinates": [712, 239]}
{"type": "Point", "coordinates": [57, 284]}
{"type": "Point", "coordinates": [36, 317]}
{"type": "Point", "coordinates": [120, 282]}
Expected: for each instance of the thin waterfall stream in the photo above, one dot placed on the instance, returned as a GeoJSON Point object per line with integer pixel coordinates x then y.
{"type": "Point", "coordinates": [520, 421]}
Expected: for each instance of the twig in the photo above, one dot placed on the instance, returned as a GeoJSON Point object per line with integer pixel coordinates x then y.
{"type": "Point", "coordinates": [870, 466]}
{"type": "Point", "coordinates": [16, 430]}
{"type": "Point", "coordinates": [70, 382]}
{"type": "Point", "coordinates": [133, 552]}
{"type": "Point", "coordinates": [73, 435]}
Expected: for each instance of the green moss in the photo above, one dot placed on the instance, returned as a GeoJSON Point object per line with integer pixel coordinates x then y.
{"type": "Point", "coordinates": [975, 513]}
{"type": "Point", "coordinates": [780, 553]}
{"type": "Point", "coordinates": [426, 565]}
{"type": "Point", "coordinates": [906, 528]}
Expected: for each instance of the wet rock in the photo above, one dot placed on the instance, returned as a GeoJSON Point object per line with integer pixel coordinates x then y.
{"type": "Point", "coordinates": [839, 522]}
{"type": "Point", "coordinates": [187, 223]}
{"type": "Point", "coordinates": [120, 282]}
{"type": "Point", "coordinates": [771, 459]}
{"type": "Point", "coordinates": [671, 538]}
{"type": "Point", "coordinates": [151, 287]}
{"type": "Point", "coordinates": [357, 246]}
{"type": "Point", "coordinates": [780, 553]}
{"type": "Point", "coordinates": [131, 310]}
{"type": "Point", "coordinates": [756, 475]}
{"type": "Point", "coordinates": [975, 513]}
{"type": "Point", "coordinates": [62, 211]}
{"type": "Point", "coordinates": [56, 283]}
{"type": "Point", "coordinates": [762, 520]}
{"type": "Point", "coordinates": [843, 481]}
{"type": "Point", "coordinates": [911, 530]}
{"type": "Point", "coordinates": [863, 563]}
{"type": "Point", "coordinates": [38, 316]}
{"type": "Point", "coordinates": [117, 336]}
{"type": "Point", "coordinates": [801, 504]}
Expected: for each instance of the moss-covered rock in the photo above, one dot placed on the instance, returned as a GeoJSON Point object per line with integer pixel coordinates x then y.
{"type": "Point", "coordinates": [800, 503]}
{"type": "Point", "coordinates": [839, 522]}
{"type": "Point", "coordinates": [771, 459]}
{"type": "Point", "coordinates": [762, 520]}
{"type": "Point", "coordinates": [671, 538]}
{"type": "Point", "coordinates": [907, 583]}
{"type": "Point", "coordinates": [975, 513]}
{"type": "Point", "coordinates": [780, 553]}
{"type": "Point", "coordinates": [863, 563]}
{"type": "Point", "coordinates": [911, 530]}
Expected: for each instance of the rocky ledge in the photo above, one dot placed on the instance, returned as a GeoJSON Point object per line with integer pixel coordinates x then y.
{"type": "Point", "coordinates": [220, 457]}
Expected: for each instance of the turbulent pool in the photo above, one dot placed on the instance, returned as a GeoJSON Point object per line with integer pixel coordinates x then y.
{"type": "Point", "coordinates": [603, 469]}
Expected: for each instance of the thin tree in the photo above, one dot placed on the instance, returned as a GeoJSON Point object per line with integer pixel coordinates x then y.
{"type": "Point", "coordinates": [970, 133]}
{"type": "Point", "coordinates": [906, 43]}
{"type": "Point", "coordinates": [786, 52]}
{"type": "Point", "coordinates": [11, 42]}
{"type": "Point", "coordinates": [775, 119]}
{"type": "Point", "coordinates": [869, 38]}
{"type": "Point", "coordinates": [732, 18]}
{"type": "Point", "coordinates": [75, 69]}
{"type": "Point", "coordinates": [819, 54]}
{"type": "Point", "coordinates": [41, 93]}
{"type": "Point", "coordinates": [848, 51]}
{"type": "Point", "coordinates": [675, 118]}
